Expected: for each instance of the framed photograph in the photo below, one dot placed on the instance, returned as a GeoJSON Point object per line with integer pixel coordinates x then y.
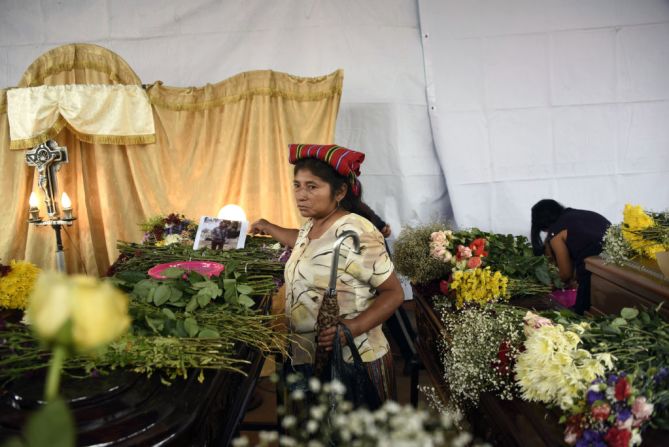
{"type": "Point", "coordinates": [220, 234]}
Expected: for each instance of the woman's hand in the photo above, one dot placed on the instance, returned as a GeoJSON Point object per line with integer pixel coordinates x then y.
{"type": "Point", "coordinates": [386, 231]}
{"type": "Point", "coordinates": [326, 336]}
{"type": "Point", "coordinates": [260, 226]}
{"type": "Point", "coordinates": [285, 236]}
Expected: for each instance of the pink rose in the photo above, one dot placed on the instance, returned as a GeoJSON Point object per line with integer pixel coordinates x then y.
{"type": "Point", "coordinates": [570, 436]}
{"type": "Point", "coordinates": [438, 236]}
{"type": "Point", "coordinates": [536, 321]}
{"type": "Point", "coordinates": [641, 410]}
{"type": "Point", "coordinates": [474, 262]}
{"type": "Point", "coordinates": [463, 252]}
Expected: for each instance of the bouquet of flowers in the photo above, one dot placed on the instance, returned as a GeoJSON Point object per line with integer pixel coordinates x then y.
{"type": "Point", "coordinates": [167, 230]}
{"type": "Point", "coordinates": [433, 252]}
{"type": "Point", "coordinates": [476, 286]}
{"type": "Point", "coordinates": [646, 232]}
{"type": "Point", "coordinates": [478, 352]}
{"type": "Point", "coordinates": [16, 282]}
{"type": "Point", "coordinates": [611, 413]}
{"type": "Point", "coordinates": [553, 368]}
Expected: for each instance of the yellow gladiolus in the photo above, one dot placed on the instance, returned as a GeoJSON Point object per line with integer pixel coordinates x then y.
{"type": "Point", "coordinates": [96, 311]}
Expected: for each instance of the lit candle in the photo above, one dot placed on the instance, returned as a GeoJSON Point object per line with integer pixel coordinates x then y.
{"type": "Point", "coordinates": [67, 207]}
{"type": "Point", "coordinates": [33, 201]}
{"type": "Point", "coordinates": [232, 212]}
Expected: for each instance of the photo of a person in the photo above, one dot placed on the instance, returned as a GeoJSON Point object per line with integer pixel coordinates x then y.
{"type": "Point", "coordinates": [220, 234]}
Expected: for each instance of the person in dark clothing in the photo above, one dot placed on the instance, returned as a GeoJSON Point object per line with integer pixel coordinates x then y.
{"type": "Point", "coordinates": [572, 236]}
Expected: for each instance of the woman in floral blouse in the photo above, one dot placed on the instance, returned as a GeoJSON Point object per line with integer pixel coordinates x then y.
{"type": "Point", "coordinates": [368, 291]}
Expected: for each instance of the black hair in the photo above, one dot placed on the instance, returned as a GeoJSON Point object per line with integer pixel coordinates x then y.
{"type": "Point", "coordinates": [544, 213]}
{"type": "Point", "coordinates": [327, 173]}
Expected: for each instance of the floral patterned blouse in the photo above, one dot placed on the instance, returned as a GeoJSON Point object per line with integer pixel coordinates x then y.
{"type": "Point", "coordinates": [307, 277]}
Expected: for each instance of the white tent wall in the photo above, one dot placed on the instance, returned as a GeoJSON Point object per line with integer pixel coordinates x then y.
{"type": "Point", "coordinates": [533, 99]}
{"type": "Point", "coordinates": [383, 110]}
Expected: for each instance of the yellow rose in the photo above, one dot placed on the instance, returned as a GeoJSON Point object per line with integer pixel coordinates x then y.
{"type": "Point", "coordinates": [97, 311]}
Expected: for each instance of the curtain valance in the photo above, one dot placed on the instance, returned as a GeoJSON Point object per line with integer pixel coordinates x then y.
{"type": "Point", "coordinates": [104, 114]}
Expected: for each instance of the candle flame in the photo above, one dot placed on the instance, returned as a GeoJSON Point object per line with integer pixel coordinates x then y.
{"type": "Point", "coordinates": [65, 201]}
{"type": "Point", "coordinates": [33, 201]}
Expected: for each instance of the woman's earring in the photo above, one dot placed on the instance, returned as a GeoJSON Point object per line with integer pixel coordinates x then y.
{"type": "Point", "coordinates": [337, 203]}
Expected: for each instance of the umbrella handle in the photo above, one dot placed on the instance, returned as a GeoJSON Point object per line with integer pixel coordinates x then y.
{"type": "Point", "coordinates": [332, 289]}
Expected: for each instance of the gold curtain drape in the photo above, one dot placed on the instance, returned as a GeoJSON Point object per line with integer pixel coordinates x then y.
{"type": "Point", "coordinates": [222, 143]}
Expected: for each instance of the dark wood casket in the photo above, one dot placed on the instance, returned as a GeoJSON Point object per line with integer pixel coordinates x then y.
{"type": "Point", "coordinates": [515, 422]}
{"type": "Point", "coordinates": [129, 409]}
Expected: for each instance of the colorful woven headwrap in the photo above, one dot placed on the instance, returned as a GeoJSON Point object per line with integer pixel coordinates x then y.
{"type": "Point", "coordinates": [345, 161]}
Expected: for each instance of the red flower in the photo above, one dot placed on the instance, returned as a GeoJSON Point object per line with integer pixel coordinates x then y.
{"type": "Point", "coordinates": [474, 262]}
{"type": "Point", "coordinates": [504, 357]}
{"type": "Point", "coordinates": [601, 412]}
{"type": "Point", "coordinates": [617, 437]}
{"type": "Point", "coordinates": [478, 247]}
{"type": "Point", "coordinates": [623, 389]}
{"type": "Point", "coordinates": [444, 286]}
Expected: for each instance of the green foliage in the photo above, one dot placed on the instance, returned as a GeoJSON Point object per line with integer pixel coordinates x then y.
{"type": "Point", "coordinates": [639, 342]}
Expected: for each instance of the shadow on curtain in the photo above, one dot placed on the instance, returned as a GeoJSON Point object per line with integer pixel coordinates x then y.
{"type": "Point", "coordinates": [218, 144]}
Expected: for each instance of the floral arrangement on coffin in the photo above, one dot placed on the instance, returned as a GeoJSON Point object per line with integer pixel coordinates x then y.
{"type": "Point", "coordinates": [553, 368]}
{"type": "Point", "coordinates": [612, 413]}
{"type": "Point", "coordinates": [170, 229]}
{"type": "Point", "coordinates": [641, 233]}
{"type": "Point", "coordinates": [471, 265]}
{"type": "Point", "coordinates": [16, 283]}
{"type": "Point", "coordinates": [323, 424]}
{"type": "Point", "coordinates": [478, 355]}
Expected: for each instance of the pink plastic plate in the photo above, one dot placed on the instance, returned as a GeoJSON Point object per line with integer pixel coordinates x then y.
{"type": "Point", "coordinates": [566, 297]}
{"type": "Point", "coordinates": [204, 268]}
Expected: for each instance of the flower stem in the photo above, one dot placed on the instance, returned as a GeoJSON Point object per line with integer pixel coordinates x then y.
{"type": "Point", "coordinates": [53, 376]}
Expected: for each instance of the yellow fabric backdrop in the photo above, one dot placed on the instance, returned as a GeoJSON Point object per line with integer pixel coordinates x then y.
{"type": "Point", "coordinates": [222, 143]}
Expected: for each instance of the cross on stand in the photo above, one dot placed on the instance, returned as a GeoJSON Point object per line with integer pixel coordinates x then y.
{"type": "Point", "coordinates": [47, 159]}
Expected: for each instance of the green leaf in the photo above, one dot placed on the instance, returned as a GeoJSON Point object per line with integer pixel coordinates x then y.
{"type": "Point", "coordinates": [52, 425]}
{"type": "Point", "coordinates": [180, 330]}
{"type": "Point", "coordinates": [173, 272]}
{"type": "Point", "coordinates": [246, 301]}
{"type": "Point", "coordinates": [194, 276]}
{"type": "Point", "coordinates": [131, 277]}
{"type": "Point", "coordinates": [244, 289]}
{"type": "Point", "coordinates": [629, 313]}
{"type": "Point", "coordinates": [619, 322]}
{"type": "Point", "coordinates": [541, 272]}
{"type": "Point", "coordinates": [203, 299]}
{"type": "Point", "coordinates": [208, 333]}
{"type": "Point", "coordinates": [191, 327]}
{"type": "Point", "coordinates": [175, 294]}
{"type": "Point", "coordinates": [168, 313]}
{"type": "Point", "coordinates": [192, 304]}
{"type": "Point", "coordinates": [161, 295]}
{"type": "Point", "coordinates": [155, 324]}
